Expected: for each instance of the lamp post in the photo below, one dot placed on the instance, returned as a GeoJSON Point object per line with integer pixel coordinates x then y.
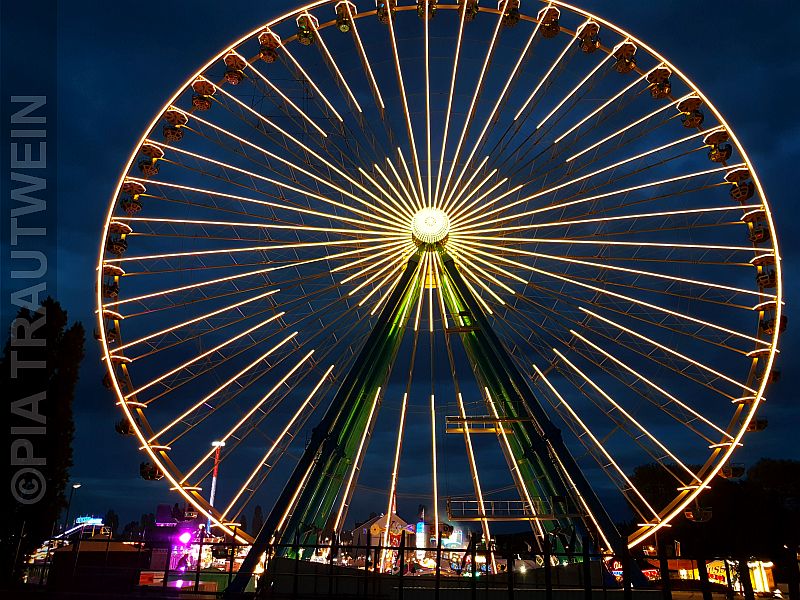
{"type": "Point", "coordinates": [217, 447]}
{"type": "Point", "coordinates": [75, 486]}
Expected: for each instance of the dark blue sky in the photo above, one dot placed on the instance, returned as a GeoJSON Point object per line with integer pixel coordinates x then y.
{"type": "Point", "coordinates": [119, 61]}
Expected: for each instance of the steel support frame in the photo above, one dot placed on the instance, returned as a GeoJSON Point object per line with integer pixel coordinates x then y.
{"type": "Point", "coordinates": [331, 450]}
{"type": "Point", "coordinates": [535, 440]}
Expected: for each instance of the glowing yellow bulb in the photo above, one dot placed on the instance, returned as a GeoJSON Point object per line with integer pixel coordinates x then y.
{"type": "Point", "coordinates": [430, 226]}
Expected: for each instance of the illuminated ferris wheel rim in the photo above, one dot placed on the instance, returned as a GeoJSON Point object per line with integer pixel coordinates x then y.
{"type": "Point", "coordinates": [720, 456]}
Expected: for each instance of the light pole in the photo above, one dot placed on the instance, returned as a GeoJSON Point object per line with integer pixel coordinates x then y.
{"type": "Point", "coordinates": [75, 486]}
{"type": "Point", "coordinates": [217, 447]}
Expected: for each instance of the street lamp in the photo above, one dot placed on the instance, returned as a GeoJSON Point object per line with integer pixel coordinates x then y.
{"type": "Point", "coordinates": [217, 447]}
{"type": "Point", "coordinates": [75, 486]}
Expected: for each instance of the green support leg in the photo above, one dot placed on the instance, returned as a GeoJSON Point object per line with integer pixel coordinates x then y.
{"type": "Point", "coordinates": [334, 441]}
{"type": "Point", "coordinates": [534, 438]}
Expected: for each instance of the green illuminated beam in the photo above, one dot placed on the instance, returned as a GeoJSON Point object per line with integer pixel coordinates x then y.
{"type": "Point", "coordinates": [534, 439]}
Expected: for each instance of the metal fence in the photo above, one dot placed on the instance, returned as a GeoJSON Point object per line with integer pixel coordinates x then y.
{"type": "Point", "coordinates": [401, 572]}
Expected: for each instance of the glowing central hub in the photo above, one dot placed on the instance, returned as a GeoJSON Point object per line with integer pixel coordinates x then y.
{"type": "Point", "coordinates": [430, 226]}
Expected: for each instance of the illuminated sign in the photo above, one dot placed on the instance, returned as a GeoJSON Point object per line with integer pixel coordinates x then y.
{"type": "Point", "coordinates": [420, 541]}
{"type": "Point", "coordinates": [89, 521]}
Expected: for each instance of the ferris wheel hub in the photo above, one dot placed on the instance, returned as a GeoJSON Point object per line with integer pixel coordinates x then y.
{"type": "Point", "coordinates": [430, 226]}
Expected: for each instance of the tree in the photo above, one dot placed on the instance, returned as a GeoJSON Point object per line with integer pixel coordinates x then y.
{"type": "Point", "coordinates": [258, 519]}
{"type": "Point", "coordinates": [40, 366]}
{"type": "Point", "coordinates": [147, 524]}
{"type": "Point", "coordinates": [111, 520]}
{"type": "Point", "coordinates": [131, 531]}
{"type": "Point", "coordinates": [244, 523]}
{"type": "Point", "coordinates": [754, 516]}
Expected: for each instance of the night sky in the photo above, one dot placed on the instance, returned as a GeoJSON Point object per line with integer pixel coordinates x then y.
{"type": "Point", "coordinates": [119, 61]}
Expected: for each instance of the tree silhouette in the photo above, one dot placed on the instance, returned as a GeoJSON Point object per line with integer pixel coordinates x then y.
{"type": "Point", "coordinates": [755, 516]}
{"type": "Point", "coordinates": [41, 416]}
{"type": "Point", "coordinates": [258, 519]}
{"type": "Point", "coordinates": [111, 520]}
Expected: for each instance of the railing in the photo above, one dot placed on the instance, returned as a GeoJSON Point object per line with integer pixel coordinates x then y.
{"type": "Point", "coordinates": [461, 509]}
{"type": "Point", "coordinates": [392, 572]}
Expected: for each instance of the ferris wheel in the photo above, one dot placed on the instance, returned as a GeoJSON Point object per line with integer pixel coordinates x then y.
{"type": "Point", "coordinates": [488, 259]}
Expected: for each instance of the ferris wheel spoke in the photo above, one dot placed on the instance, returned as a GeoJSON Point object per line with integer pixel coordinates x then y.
{"type": "Point", "coordinates": [343, 86]}
{"type": "Point", "coordinates": [623, 162]}
{"type": "Point", "coordinates": [294, 167]}
{"type": "Point", "coordinates": [396, 273]}
{"type": "Point", "coordinates": [627, 415]}
{"type": "Point", "coordinates": [659, 324]}
{"type": "Point", "coordinates": [474, 269]}
{"type": "Point", "coordinates": [671, 399]}
{"type": "Point", "coordinates": [505, 241]}
{"type": "Point", "coordinates": [639, 121]}
{"type": "Point", "coordinates": [514, 466]}
{"type": "Point", "coordinates": [661, 309]}
{"type": "Point", "coordinates": [401, 183]}
{"type": "Point", "coordinates": [376, 91]}
{"type": "Point", "coordinates": [612, 267]}
{"type": "Point", "coordinates": [393, 260]}
{"type": "Point", "coordinates": [543, 80]}
{"type": "Point", "coordinates": [409, 127]}
{"type": "Point", "coordinates": [306, 77]}
{"type": "Point", "coordinates": [708, 260]}
{"type": "Point", "coordinates": [449, 110]}
{"type": "Point", "coordinates": [611, 101]}
{"type": "Point", "coordinates": [510, 80]}
{"type": "Point", "coordinates": [474, 103]}
{"type": "Point", "coordinates": [457, 200]}
{"type": "Point", "coordinates": [238, 440]}
{"type": "Point", "coordinates": [579, 434]}
{"type": "Point", "coordinates": [463, 250]}
{"type": "Point", "coordinates": [467, 210]}
{"type": "Point", "coordinates": [369, 215]}
{"type": "Point", "coordinates": [235, 224]}
{"type": "Point", "coordinates": [667, 349]}
{"type": "Point", "coordinates": [580, 200]}
{"type": "Point", "coordinates": [285, 432]}
{"type": "Point", "coordinates": [215, 281]}
{"type": "Point", "coordinates": [575, 304]}
{"type": "Point", "coordinates": [331, 61]}
{"type": "Point", "coordinates": [250, 413]}
{"type": "Point", "coordinates": [254, 249]}
{"type": "Point", "coordinates": [347, 494]}
{"type": "Point", "coordinates": [401, 212]}
{"type": "Point", "coordinates": [291, 208]}
{"type": "Point", "coordinates": [411, 185]}
{"type": "Point", "coordinates": [552, 316]}
{"type": "Point", "coordinates": [651, 215]}
{"type": "Point", "coordinates": [339, 168]}
{"type": "Point", "coordinates": [184, 366]}
{"type": "Point", "coordinates": [574, 90]}
{"type": "Point", "coordinates": [188, 322]}
{"type": "Point", "coordinates": [609, 460]}
{"type": "Point", "coordinates": [473, 465]}
{"type": "Point", "coordinates": [239, 437]}
{"type": "Point", "coordinates": [396, 255]}
{"type": "Point", "coordinates": [315, 316]}
{"type": "Point", "coordinates": [557, 169]}
{"type": "Point", "coordinates": [218, 389]}
{"type": "Point", "coordinates": [398, 198]}
{"type": "Point", "coordinates": [287, 285]}
{"type": "Point", "coordinates": [284, 97]}
{"type": "Point", "coordinates": [351, 264]}
{"type": "Point", "coordinates": [429, 155]}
